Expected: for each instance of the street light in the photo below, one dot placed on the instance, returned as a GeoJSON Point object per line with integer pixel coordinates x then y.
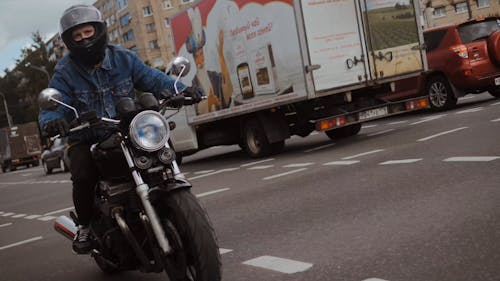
{"type": "Point", "coordinates": [9, 118]}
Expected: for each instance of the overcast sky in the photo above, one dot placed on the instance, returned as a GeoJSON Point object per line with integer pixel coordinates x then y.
{"type": "Point", "coordinates": [20, 18]}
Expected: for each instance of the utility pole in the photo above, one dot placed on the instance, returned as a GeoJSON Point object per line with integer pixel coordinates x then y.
{"type": "Point", "coordinates": [9, 118]}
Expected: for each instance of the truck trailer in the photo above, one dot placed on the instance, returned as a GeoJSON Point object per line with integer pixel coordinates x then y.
{"type": "Point", "coordinates": [271, 69]}
{"type": "Point", "coordinates": [20, 146]}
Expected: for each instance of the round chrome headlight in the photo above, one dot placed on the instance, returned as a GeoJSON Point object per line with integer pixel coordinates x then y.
{"type": "Point", "coordinates": [149, 131]}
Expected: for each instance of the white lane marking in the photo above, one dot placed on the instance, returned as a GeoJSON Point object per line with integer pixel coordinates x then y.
{"type": "Point", "coordinates": [5, 224]}
{"type": "Point", "coordinates": [211, 192]}
{"type": "Point", "coordinates": [19, 216]}
{"type": "Point", "coordinates": [314, 133]}
{"type": "Point", "coordinates": [427, 119]}
{"type": "Point", "coordinates": [471, 159]}
{"type": "Point", "coordinates": [375, 279]}
{"type": "Point", "coordinates": [319, 147]}
{"type": "Point", "coordinates": [402, 161]}
{"type": "Point", "coordinates": [32, 217]}
{"type": "Point", "coordinates": [262, 167]}
{"type": "Point", "coordinates": [257, 162]}
{"type": "Point", "coordinates": [296, 165]}
{"type": "Point", "coordinates": [21, 242]}
{"type": "Point", "coordinates": [442, 133]}
{"type": "Point", "coordinates": [381, 132]}
{"type": "Point", "coordinates": [398, 122]}
{"type": "Point", "coordinates": [26, 175]}
{"type": "Point", "coordinates": [368, 126]}
{"type": "Point", "coordinates": [362, 154]}
{"type": "Point", "coordinates": [465, 98]}
{"type": "Point", "coordinates": [340, 163]}
{"type": "Point", "coordinates": [59, 211]}
{"type": "Point", "coordinates": [279, 264]}
{"type": "Point", "coordinates": [284, 174]}
{"type": "Point", "coordinates": [213, 173]}
{"type": "Point", "coordinates": [47, 218]}
{"type": "Point", "coordinates": [496, 120]}
{"type": "Point", "coordinates": [223, 251]}
{"type": "Point", "coordinates": [204, 172]}
{"type": "Point", "coordinates": [7, 214]}
{"type": "Point", "coordinates": [470, 110]}
{"type": "Point", "coordinates": [496, 103]}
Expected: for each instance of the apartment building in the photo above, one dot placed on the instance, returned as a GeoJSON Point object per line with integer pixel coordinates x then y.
{"type": "Point", "coordinates": [445, 12]}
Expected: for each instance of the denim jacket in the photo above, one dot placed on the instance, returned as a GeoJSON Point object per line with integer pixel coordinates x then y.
{"type": "Point", "coordinates": [99, 88]}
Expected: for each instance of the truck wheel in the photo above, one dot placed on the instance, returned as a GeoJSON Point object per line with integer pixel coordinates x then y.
{"type": "Point", "coordinates": [344, 132]}
{"type": "Point", "coordinates": [255, 139]}
{"type": "Point", "coordinates": [440, 94]}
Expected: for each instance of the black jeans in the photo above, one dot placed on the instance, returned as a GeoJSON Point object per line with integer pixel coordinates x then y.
{"type": "Point", "coordinates": [84, 176]}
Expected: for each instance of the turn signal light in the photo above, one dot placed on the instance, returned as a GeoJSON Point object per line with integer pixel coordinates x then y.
{"type": "Point", "coordinates": [328, 124]}
{"type": "Point", "coordinates": [417, 104]}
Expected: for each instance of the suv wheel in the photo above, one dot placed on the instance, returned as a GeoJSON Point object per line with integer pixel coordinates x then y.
{"type": "Point", "coordinates": [440, 93]}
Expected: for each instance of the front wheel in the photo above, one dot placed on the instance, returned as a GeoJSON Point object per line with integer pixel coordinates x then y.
{"type": "Point", "coordinates": [195, 255]}
{"type": "Point", "coordinates": [440, 93]}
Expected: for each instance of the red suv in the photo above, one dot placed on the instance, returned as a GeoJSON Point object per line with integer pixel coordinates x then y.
{"type": "Point", "coordinates": [463, 59]}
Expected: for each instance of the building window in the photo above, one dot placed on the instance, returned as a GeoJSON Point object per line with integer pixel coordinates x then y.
{"type": "Point", "coordinates": [153, 44]}
{"type": "Point", "coordinates": [122, 4]}
{"type": "Point", "coordinates": [482, 3]}
{"type": "Point", "coordinates": [148, 11]}
{"type": "Point", "coordinates": [439, 12]}
{"type": "Point", "coordinates": [125, 19]}
{"type": "Point", "coordinates": [167, 4]}
{"type": "Point", "coordinates": [461, 8]}
{"type": "Point", "coordinates": [150, 27]}
{"type": "Point", "coordinates": [128, 36]}
{"type": "Point", "coordinates": [167, 22]}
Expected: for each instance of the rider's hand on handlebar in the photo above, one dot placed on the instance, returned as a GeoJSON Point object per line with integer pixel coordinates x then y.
{"type": "Point", "coordinates": [57, 126]}
{"type": "Point", "coordinates": [194, 93]}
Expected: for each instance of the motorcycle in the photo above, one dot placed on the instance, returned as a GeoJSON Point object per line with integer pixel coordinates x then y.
{"type": "Point", "coordinates": [145, 216]}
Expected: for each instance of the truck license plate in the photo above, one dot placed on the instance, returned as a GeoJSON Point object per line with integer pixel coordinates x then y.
{"type": "Point", "coordinates": [497, 81]}
{"type": "Point", "coordinates": [372, 113]}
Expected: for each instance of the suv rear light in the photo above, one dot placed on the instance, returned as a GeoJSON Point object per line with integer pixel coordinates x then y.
{"type": "Point", "coordinates": [460, 50]}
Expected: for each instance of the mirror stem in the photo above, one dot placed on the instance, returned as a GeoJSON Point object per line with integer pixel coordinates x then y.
{"type": "Point", "coordinates": [63, 104]}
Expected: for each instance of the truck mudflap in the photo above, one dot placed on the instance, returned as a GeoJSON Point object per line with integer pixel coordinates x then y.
{"type": "Point", "coordinates": [372, 113]}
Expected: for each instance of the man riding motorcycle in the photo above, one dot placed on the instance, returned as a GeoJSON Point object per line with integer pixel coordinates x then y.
{"type": "Point", "coordinates": [94, 76]}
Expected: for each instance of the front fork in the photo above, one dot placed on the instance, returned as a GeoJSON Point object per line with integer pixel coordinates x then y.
{"type": "Point", "coordinates": [142, 190]}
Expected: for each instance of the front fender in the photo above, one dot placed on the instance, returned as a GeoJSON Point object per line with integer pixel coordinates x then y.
{"type": "Point", "coordinates": [167, 187]}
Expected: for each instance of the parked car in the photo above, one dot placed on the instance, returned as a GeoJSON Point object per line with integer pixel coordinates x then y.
{"type": "Point", "coordinates": [55, 156]}
{"type": "Point", "coordinates": [463, 59]}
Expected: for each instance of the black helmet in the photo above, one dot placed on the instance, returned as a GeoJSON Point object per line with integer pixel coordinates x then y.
{"type": "Point", "coordinates": [89, 51]}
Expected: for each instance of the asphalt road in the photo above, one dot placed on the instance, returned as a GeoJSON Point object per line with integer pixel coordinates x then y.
{"type": "Point", "coordinates": [412, 197]}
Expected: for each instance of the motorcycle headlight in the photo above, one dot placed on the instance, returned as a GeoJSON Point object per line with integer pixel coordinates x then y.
{"type": "Point", "coordinates": [149, 131]}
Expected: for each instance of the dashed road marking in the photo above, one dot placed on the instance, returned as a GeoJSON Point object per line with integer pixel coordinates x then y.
{"type": "Point", "coordinates": [261, 167]}
{"type": "Point", "coordinates": [470, 110]}
{"type": "Point", "coordinates": [279, 264]}
{"type": "Point", "coordinates": [496, 103]}
{"type": "Point", "coordinates": [59, 211]}
{"type": "Point", "coordinates": [319, 147]}
{"type": "Point", "coordinates": [211, 192]}
{"type": "Point", "coordinates": [398, 122]}
{"type": "Point", "coordinates": [213, 173]}
{"type": "Point", "coordinates": [284, 174]}
{"type": "Point", "coordinates": [471, 159]}
{"type": "Point", "coordinates": [381, 132]}
{"type": "Point", "coordinates": [203, 172]}
{"type": "Point", "coordinates": [375, 279]}
{"type": "Point", "coordinates": [257, 162]}
{"type": "Point", "coordinates": [5, 224]}
{"type": "Point", "coordinates": [368, 126]}
{"type": "Point", "coordinates": [402, 161]}
{"type": "Point", "coordinates": [442, 133]}
{"type": "Point", "coordinates": [340, 163]}
{"type": "Point", "coordinates": [427, 119]}
{"type": "Point", "coordinates": [21, 242]}
{"type": "Point", "coordinates": [362, 154]}
{"type": "Point", "coordinates": [296, 165]}
{"type": "Point", "coordinates": [223, 251]}
{"type": "Point", "coordinates": [496, 120]}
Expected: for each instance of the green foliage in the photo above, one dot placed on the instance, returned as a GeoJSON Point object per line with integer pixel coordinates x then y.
{"type": "Point", "coordinates": [22, 84]}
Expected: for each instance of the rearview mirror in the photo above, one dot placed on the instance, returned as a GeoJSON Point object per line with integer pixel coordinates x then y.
{"type": "Point", "coordinates": [48, 99]}
{"type": "Point", "coordinates": [180, 66]}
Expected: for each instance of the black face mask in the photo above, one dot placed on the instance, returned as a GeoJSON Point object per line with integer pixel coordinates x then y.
{"type": "Point", "coordinates": [89, 51]}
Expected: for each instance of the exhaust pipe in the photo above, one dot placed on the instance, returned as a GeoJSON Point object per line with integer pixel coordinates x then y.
{"type": "Point", "coordinates": [66, 227]}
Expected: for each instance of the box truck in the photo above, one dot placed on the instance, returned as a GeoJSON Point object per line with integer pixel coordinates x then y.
{"type": "Point", "coordinates": [20, 146]}
{"type": "Point", "coordinates": [275, 68]}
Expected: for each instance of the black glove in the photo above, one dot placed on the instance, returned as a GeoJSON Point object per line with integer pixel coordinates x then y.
{"type": "Point", "coordinates": [57, 126]}
{"type": "Point", "coordinates": [194, 93]}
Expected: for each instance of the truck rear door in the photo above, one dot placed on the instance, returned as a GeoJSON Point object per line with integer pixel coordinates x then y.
{"type": "Point", "coordinates": [357, 42]}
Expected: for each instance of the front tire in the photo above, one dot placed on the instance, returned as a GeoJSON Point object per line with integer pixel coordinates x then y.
{"type": "Point", "coordinates": [196, 256]}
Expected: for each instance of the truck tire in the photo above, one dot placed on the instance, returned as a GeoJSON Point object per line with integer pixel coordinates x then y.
{"type": "Point", "coordinates": [440, 94]}
{"type": "Point", "coordinates": [344, 132]}
{"type": "Point", "coordinates": [46, 169]}
{"type": "Point", "coordinates": [255, 140]}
